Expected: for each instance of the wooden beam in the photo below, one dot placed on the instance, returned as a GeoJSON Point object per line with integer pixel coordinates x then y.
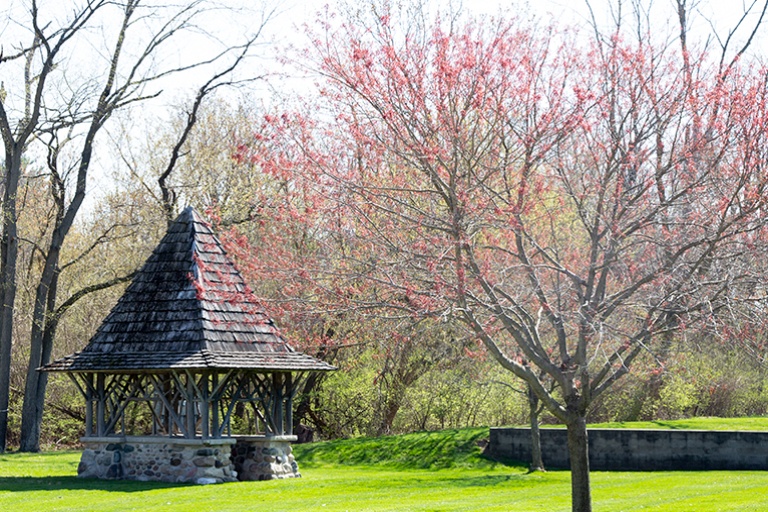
{"type": "Point", "coordinates": [289, 404]}
{"type": "Point", "coordinates": [86, 390]}
{"type": "Point", "coordinates": [277, 403]}
{"type": "Point", "coordinates": [79, 387]}
{"type": "Point", "coordinates": [173, 418]}
{"type": "Point", "coordinates": [100, 405]}
{"type": "Point", "coordinates": [236, 391]}
{"type": "Point", "coordinates": [263, 391]}
{"type": "Point", "coordinates": [205, 403]}
{"type": "Point", "coordinates": [190, 397]}
{"type": "Point", "coordinates": [216, 396]}
{"type": "Point", "coordinates": [89, 406]}
{"type": "Point", "coordinates": [129, 392]}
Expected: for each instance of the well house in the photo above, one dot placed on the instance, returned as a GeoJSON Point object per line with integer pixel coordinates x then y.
{"type": "Point", "coordinates": [185, 364]}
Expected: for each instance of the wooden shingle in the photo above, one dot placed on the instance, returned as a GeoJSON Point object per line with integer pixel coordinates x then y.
{"type": "Point", "coordinates": [188, 307]}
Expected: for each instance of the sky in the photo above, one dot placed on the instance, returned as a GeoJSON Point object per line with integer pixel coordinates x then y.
{"type": "Point", "coordinates": [722, 13]}
{"type": "Point", "coordinates": [710, 18]}
{"type": "Point", "coordinates": [285, 27]}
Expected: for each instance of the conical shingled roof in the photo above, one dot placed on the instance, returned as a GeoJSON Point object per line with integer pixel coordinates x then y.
{"type": "Point", "coordinates": [188, 307]}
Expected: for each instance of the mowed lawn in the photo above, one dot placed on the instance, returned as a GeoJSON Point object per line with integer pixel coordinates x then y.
{"type": "Point", "coordinates": [424, 471]}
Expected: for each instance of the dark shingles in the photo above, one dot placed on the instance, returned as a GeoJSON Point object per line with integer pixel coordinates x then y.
{"type": "Point", "coordinates": [188, 307]}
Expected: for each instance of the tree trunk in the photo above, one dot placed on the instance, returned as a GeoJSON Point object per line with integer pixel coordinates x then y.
{"type": "Point", "coordinates": [402, 380]}
{"type": "Point", "coordinates": [389, 411]}
{"type": "Point", "coordinates": [8, 257]}
{"type": "Point", "coordinates": [41, 346]}
{"type": "Point", "coordinates": [578, 450]}
{"type": "Point", "coordinates": [537, 464]}
{"type": "Point", "coordinates": [8, 295]}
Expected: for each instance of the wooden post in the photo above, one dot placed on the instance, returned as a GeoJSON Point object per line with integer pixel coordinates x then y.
{"type": "Point", "coordinates": [157, 408]}
{"type": "Point", "coordinates": [215, 405]}
{"type": "Point", "coordinates": [157, 411]}
{"type": "Point", "coordinates": [190, 420]}
{"type": "Point", "coordinates": [88, 404]}
{"type": "Point", "coordinates": [277, 402]}
{"type": "Point", "coordinates": [100, 405]}
{"type": "Point", "coordinates": [289, 404]}
{"type": "Point", "coordinates": [205, 403]}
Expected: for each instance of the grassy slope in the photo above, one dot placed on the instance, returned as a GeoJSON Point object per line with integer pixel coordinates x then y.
{"type": "Point", "coordinates": [422, 450]}
{"type": "Point", "coordinates": [423, 471]}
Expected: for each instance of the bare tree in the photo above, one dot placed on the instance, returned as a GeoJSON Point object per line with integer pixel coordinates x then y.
{"type": "Point", "coordinates": [221, 79]}
{"type": "Point", "coordinates": [63, 109]}
{"type": "Point", "coordinates": [16, 139]}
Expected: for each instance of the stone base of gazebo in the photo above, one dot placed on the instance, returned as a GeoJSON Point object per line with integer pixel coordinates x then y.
{"type": "Point", "coordinates": [264, 458]}
{"type": "Point", "coordinates": [158, 459]}
{"type": "Point", "coordinates": [188, 460]}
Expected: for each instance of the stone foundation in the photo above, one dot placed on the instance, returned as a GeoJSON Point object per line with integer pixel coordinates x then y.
{"type": "Point", "coordinates": [188, 460]}
{"type": "Point", "coordinates": [264, 458]}
{"type": "Point", "coordinates": [158, 459]}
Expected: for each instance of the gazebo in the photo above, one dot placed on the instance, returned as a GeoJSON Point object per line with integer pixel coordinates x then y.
{"type": "Point", "coordinates": [188, 379]}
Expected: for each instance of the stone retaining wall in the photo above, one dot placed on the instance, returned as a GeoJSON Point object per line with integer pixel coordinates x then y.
{"type": "Point", "coordinates": [625, 449]}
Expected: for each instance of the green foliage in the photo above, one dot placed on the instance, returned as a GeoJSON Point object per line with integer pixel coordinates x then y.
{"type": "Point", "coordinates": [348, 397]}
{"type": "Point", "coordinates": [472, 391]}
{"type": "Point", "coordinates": [701, 378]}
{"type": "Point", "coordinates": [678, 396]}
{"type": "Point", "coordinates": [467, 393]}
{"type": "Point", "coordinates": [470, 394]}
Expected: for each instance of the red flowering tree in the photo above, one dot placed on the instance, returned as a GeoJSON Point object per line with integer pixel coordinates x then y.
{"type": "Point", "coordinates": [571, 204]}
{"type": "Point", "coordinates": [297, 244]}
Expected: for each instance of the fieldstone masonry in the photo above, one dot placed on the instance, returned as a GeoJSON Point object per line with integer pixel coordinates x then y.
{"type": "Point", "coordinates": [189, 460]}
{"type": "Point", "coordinates": [158, 459]}
{"type": "Point", "coordinates": [264, 458]}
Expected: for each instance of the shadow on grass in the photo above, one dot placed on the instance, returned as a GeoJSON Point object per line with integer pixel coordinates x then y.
{"type": "Point", "coordinates": [73, 483]}
{"type": "Point", "coordinates": [486, 481]}
{"type": "Point", "coordinates": [671, 425]}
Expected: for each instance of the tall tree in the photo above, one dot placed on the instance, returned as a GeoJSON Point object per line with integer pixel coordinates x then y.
{"type": "Point", "coordinates": [64, 111]}
{"type": "Point", "coordinates": [571, 203]}
{"type": "Point", "coordinates": [16, 133]}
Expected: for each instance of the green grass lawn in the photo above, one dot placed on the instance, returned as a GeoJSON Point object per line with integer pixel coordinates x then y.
{"type": "Point", "coordinates": [423, 471]}
{"type": "Point", "coordinates": [704, 423]}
